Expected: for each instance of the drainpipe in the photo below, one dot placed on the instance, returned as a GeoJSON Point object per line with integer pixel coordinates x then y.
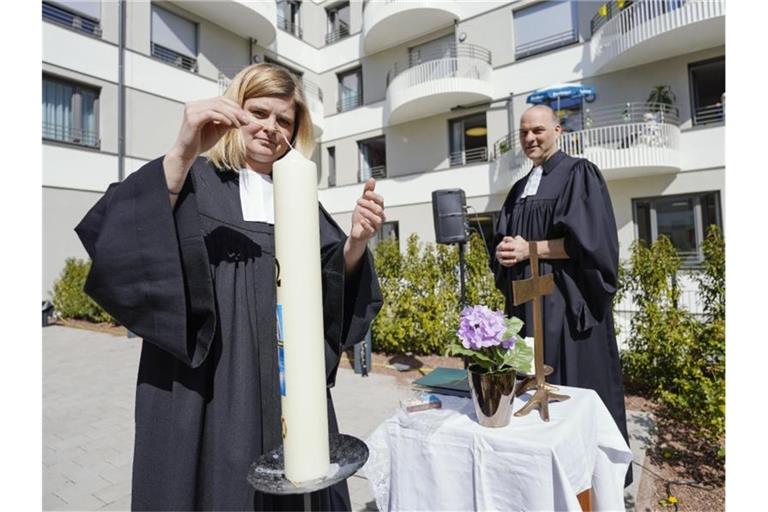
{"type": "Point", "coordinates": [511, 114]}
{"type": "Point", "coordinates": [121, 95]}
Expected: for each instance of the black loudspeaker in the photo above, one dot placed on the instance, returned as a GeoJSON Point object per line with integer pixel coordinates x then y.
{"type": "Point", "coordinates": [449, 215]}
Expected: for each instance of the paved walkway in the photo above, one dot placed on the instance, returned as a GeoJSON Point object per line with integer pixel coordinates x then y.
{"type": "Point", "coordinates": [88, 393]}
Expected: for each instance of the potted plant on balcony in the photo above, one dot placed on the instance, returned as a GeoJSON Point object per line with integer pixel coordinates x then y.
{"type": "Point", "coordinates": [660, 99]}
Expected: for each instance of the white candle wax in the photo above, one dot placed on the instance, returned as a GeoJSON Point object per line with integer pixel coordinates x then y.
{"type": "Point", "coordinates": [300, 319]}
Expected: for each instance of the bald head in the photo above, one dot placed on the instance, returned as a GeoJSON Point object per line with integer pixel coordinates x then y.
{"type": "Point", "coordinates": [539, 131]}
{"type": "Point", "coordinates": [540, 111]}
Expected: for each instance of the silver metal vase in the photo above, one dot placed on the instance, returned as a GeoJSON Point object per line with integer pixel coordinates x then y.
{"type": "Point", "coordinates": [492, 395]}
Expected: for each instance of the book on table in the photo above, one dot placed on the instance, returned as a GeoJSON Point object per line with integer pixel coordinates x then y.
{"type": "Point", "coordinates": [446, 381]}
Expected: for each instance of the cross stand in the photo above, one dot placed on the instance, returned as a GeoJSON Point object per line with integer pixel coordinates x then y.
{"type": "Point", "coordinates": [267, 474]}
{"type": "Point", "coordinates": [525, 290]}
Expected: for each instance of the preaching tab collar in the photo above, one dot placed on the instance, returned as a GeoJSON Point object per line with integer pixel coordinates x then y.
{"type": "Point", "coordinates": [552, 161]}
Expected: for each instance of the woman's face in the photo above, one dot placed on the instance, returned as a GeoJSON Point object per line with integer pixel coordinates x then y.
{"type": "Point", "coordinates": [265, 139]}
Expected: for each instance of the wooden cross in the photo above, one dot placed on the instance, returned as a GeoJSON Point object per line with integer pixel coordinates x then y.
{"type": "Point", "coordinates": [525, 290]}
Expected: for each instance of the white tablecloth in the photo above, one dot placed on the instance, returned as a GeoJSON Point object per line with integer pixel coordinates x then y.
{"type": "Point", "coordinates": [442, 459]}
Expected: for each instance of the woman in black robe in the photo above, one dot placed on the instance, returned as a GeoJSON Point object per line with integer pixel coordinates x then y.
{"type": "Point", "coordinates": [565, 207]}
{"type": "Point", "coordinates": [175, 261]}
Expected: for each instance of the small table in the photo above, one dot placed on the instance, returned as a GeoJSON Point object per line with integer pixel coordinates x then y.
{"type": "Point", "coordinates": [442, 459]}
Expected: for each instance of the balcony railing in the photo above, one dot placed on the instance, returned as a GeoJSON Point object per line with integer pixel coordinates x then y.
{"type": "Point", "coordinates": [606, 12]}
{"type": "Point", "coordinates": [289, 26]}
{"type": "Point", "coordinates": [468, 156]}
{"type": "Point", "coordinates": [337, 33]}
{"type": "Point", "coordinates": [174, 58]}
{"type": "Point", "coordinates": [349, 102]}
{"type": "Point", "coordinates": [546, 43]}
{"type": "Point", "coordinates": [648, 115]}
{"type": "Point", "coordinates": [641, 20]}
{"type": "Point", "coordinates": [379, 172]}
{"type": "Point", "coordinates": [57, 132]}
{"type": "Point", "coordinates": [441, 63]}
{"type": "Point", "coordinates": [625, 136]}
{"type": "Point", "coordinates": [709, 114]}
{"type": "Point", "coordinates": [69, 19]}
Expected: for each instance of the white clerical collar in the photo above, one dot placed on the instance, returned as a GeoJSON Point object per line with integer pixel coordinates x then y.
{"type": "Point", "coordinates": [532, 185]}
{"type": "Point", "coordinates": [256, 196]}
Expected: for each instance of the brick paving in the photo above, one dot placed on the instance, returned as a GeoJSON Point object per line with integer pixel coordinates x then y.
{"type": "Point", "coordinates": [88, 397]}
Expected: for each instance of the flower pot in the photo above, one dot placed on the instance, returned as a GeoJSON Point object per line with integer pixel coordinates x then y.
{"type": "Point", "coordinates": [492, 395]}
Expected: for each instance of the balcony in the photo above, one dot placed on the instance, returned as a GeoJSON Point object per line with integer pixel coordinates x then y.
{"type": "Point", "coordinates": [462, 77]}
{"type": "Point", "coordinates": [651, 30]}
{"type": "Point", "coordinates": [72, 20]}
{"type": "Point", "coordinates": [245, 18]}
{"type": "Point", "coordinates": [625, 141]}
{"type": "Point", "coordinates": [174, 58]}
{"type": "Point", "coordinates": [468, 156]}
{"type": "Point", "coordinates": [389, 23]}
{"type": "Point", "coordinates": [66, 133]}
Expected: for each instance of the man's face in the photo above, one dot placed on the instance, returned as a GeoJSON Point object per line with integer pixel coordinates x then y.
{"type": "Point", "coordinates": [538, 134]}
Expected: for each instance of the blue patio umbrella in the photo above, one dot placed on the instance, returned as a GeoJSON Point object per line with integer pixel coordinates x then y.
{"type": "Point", "coordinates": [560, 96]}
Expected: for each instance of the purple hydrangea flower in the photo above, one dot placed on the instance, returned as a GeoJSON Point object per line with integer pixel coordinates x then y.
{"type": "Point", "coordinates": [480, 327]}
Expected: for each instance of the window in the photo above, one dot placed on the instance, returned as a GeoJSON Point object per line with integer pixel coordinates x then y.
{"type": "Point", "coordinates": [707, 81]}
{"type": "Point", "coordinates": [373, 159]}
{"type": "Point", "coordinates": [338, 23]}
{"type": "Point", "coordinates": [440, 48]}
{"type": "Point", "coordinates": [389, 231]}
{"type": "Point", "coordinates": [81, 16]}
{"type": "Point", "coordinates": [350, 89]}
{"type": "Point", "coordinates": [288, 16]}
{"type": "Point", "coordinates": [174, 39]}
{"type": "Point", "coordinates": [544, 26]}
{"type": "Point", "coordinates": [684, 219]}
{"type": "Point", "coordinates": [70, 112]}
{"type": "Point", "coordinates": [468, 140]}
{"type": "Point", "coordinates": [332, 166]}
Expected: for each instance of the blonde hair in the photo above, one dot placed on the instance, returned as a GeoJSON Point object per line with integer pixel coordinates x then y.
{"type": "Point", "coordinates": [255, 81]}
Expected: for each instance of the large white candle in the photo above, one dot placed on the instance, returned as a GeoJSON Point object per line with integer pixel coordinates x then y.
{"type": "Point", "coordinates": [300, 319]}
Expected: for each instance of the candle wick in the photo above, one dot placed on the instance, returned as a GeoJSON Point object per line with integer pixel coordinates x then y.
{"type": "Point", "coordinates": [286, 140]}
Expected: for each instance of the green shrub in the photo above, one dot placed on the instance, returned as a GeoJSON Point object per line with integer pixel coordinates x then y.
{"type": "Point", "coordinates": [672, 355]}
{"type": "Point", "coordinates": [421, 294]}
{"type": "Point", "coordinates": [69, 299]}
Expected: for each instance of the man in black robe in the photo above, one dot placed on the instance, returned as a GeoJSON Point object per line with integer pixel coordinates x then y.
{"type": "Point", "coordinates": [563, 205]}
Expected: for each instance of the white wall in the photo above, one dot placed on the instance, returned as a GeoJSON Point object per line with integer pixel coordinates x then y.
{"type": "Point", "coordinates": [68, 166]}
{"type": "Point", "coordinates": [62, 211]}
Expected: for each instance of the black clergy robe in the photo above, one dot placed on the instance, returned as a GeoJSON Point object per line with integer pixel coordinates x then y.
{"type": "Point", "coordinates": [197, 283]}
{"type": "Point", "coordinates": [571, 202]}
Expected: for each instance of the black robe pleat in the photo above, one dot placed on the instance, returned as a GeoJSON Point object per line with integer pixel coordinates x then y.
{"type": "Point", "coordinates": [197, 283]}
{"type": "Point", "coordinates": [572, 202]}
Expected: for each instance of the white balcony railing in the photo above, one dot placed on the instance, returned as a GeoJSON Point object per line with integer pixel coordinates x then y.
{"type": "Point", "coordinates": [437, 85]}
{"type": "Point", "coordinates": [643, 20]}
{"type": "Point", "coordinates": [620, 149]}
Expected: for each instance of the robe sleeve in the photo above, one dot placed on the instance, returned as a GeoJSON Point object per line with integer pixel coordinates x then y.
{"type": "Point", "coordinates": [503, 275]}
{"type": "Point", "coordinates": [585, 215]}
{"type": "Point", "coordinates": [149, 265]}
{"type": "Point", "coordinates": [350, 302]}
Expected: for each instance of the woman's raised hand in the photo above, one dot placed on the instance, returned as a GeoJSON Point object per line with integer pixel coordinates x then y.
{"type": "Point", "coordinates": [204, 123]}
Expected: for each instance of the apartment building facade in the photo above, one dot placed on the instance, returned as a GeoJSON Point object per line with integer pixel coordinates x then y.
{"type": "Point", "coordinates": [423, 95]}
